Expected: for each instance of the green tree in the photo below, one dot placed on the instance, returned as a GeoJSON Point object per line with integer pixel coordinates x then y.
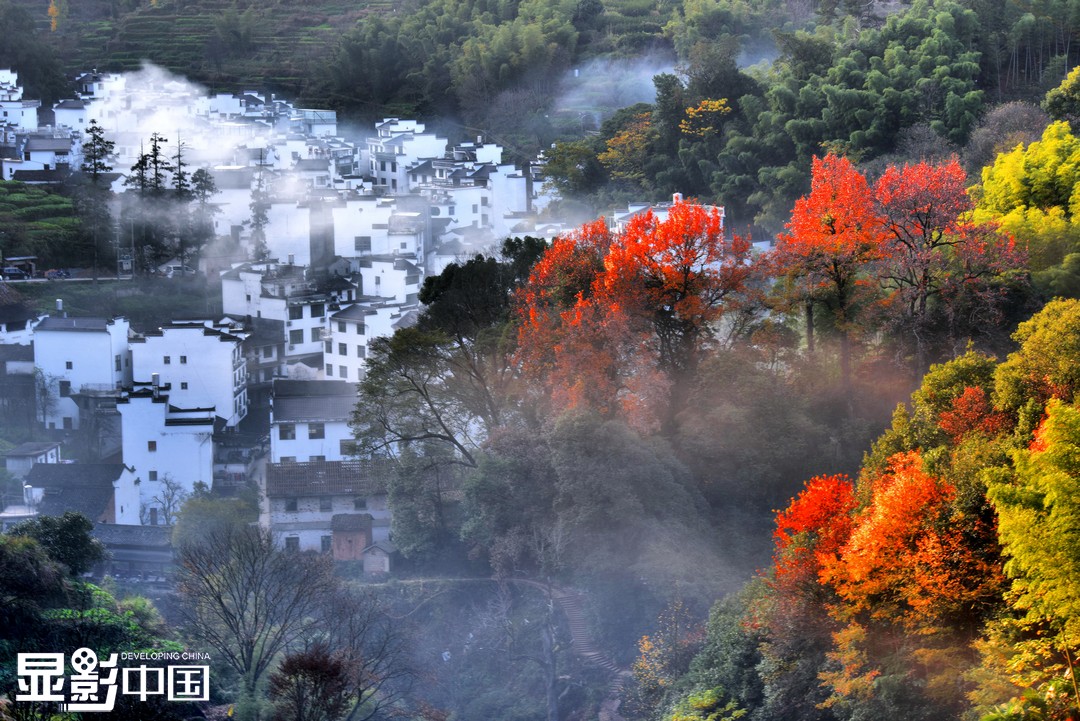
{"type": "Point", "coordinates": [66, 538]}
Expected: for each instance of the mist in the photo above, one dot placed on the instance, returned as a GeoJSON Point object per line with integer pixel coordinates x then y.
{"type": "Point", "coordinates": [599, 87]}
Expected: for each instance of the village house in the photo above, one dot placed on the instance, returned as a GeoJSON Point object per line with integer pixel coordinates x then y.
{"type": "Point", "coordinates": [20, 459]}
{"type": "Point", "coordinates": [170, 449]}
{"type": "Point", "coordinates": [309, 421]}
{"type": "Point", "coordinates": [80, 360]}
{"type": "Point", "coordinates": [397, 145]}
{"type": "Point", "coordinates": [202, 362]}
{"type": "Point", "coordinates": [103, 492]}
{"type": "Point", "coordinates": [16, 111]}
{"type": "Point", "coordinates": [336, 507]}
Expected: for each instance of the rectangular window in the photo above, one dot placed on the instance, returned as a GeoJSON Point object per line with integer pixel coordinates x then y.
{"type": "Point", "coordinates": [65, 389]}
{"type": "Point", "coordinates": [318, 310]}
{"type": "Point", "coordinates": [343, 349]}
{"type": "Point", "coordinates": [362, 243]}
{"type": "Point", "coordinates": [67, 365]}
{"type": "Point", "coordinates": [286, 432]}
{"type": "Point", "coordinates": [268, 352]}
{"type": "Point", "coordinates": [341, 326]}
{"type": "Point", "coordinates": [361, 329]}
{"type": "Point", "coordinates": [326, 543]}
{"type": "Point", "coordinates": [183, 385]}
{"type": "Point", "coordinates": [329, 371]}
{"type": "Point", "coordinates": [151, 475]}
{"type": "Point", "coordinates": [343, 371]}
{"type": "Point", "coordinates": [316, 430]}
{"type": "Point", "coordinates": [316, 335]}
{"type": "Point", "coordinates": [183, 359]}
{"type": "Point", "coordinates": [292, 544]}
{"type": "Point", "coordinates": [326, 504]}
{"type": "Point", "coordinates": [151, 446]}
{"type": "Point", "coordinates": [69, 424]}
{"type": "Point", "coordinates": [168, 360]}
{"type": "Point", "coordinates": [296, 337]}
{"type": "Point", "coordinates": [361, 351]}
{"type": "Point", "coordinates": [329, 347]}
{"type": "Point", "coordinates": [117, 361]}
{"type": "Point", "coordinates": [359, 504]}
{"type": "Point", "coordinates": [290, 505]}
{"type": "Point", "coordinates": [296, 312]}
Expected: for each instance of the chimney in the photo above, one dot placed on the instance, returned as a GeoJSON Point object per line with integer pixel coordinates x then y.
{"type": "Point", "coordinates": [60, 307]}
{"type": "Point", "coordinates": [292, 258]}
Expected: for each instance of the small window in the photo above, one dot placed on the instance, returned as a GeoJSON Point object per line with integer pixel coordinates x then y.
{"type": "Point", "coordinates": [296, 337]}
{"type": "Point", "coordinates": [359, 504]}
{"type": "Point", "coordinates": [326, 542]}
{"type": "Point", "coordinates": [292, 544]}
{"type": "Point", "coordinates": [286, 432]}
{"type": "Point", "coordinates": [342, 349]}
{"type": "Point", "coordinates": [268, 352]}
{"type": "Point", "coordinates": [290, 505]}
{"type": "Point", "coordinates": [168, 360]}
{"type": "Point", "coordinates": [151, 446]}
{"type": "Point", "coordinates": [183, 385]}
{"type": "Point", "coordinates": [361, 351]}
{"type": "Point", "coordinates": [151, 475]}
{"type": "Point", "coordinates": [316, 430]}
{"type": "Point", "coordinates": [329, 347]}
{"type": "Point", "coordinates": [183, 360]}
{"type": "Point", "coordinates": [316, 335]}
{"type": "Point", "coordinates": [117, 362]}
{"type": "Point", "coordinates": [341, 326]}
{"type": "Point", "coordinates": [65, 389]}
{"type": "Point", "coordinates": [329, 371]}
{"type": "Point", "coordinates": [326, 504]}
{"type": "Point", "coordinates": [318, 310]}
{"type": "Point", "coordinates": [68, 423]}
{"type": "Point", "coordinates": [362, 243]}
{"type": "Point", "coordinates": [343, 371]}
{"type": "Point", "coordinates": [296, 312]}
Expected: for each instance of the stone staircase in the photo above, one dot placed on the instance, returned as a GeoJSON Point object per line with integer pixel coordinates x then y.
{"type": "Point", "coordinates": [573, 607]}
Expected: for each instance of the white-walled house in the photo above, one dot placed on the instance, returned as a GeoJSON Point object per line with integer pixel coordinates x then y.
{"type": "Point", "coordinates": [161, 441]}
{"type": "Point", "coordinates": [336, 507]}
{"type": "Point", "coordinates": [202, 362]}
{"type": "Point", "coordinates": [104, 492]}
{"type": "Point", "coordinates": [352, 329]}
{"type": "Point", "coordinates": [14, 109]}
{"type": "Point", "coordinates": [80, 356]}
{"type": "Point", "coordinates": [389, 277]}
{"type": "Point", "coordinates": [309, 421]}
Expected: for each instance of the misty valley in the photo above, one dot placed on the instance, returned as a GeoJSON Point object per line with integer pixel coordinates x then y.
{"type": "Point", "coordinates": [616, 360]}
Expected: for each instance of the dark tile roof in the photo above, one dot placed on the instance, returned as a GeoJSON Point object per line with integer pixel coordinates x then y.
{"type": "Point", "coordinates": [291, 388]}
{"type": "Point", "coordinates": [386, 547]}
{"type": "Point", "coordinates": [356, 311]}
{"type": "Point", "coordinates": [56, 475]}
{"type": "Point", "coordinates": [351, 522]}
{"type": "Point", "coordinates": [326, 478]}
{"type": "Point", "coordinates": [11, 352]}
{"type": "Point", "coordinates": [54, 144]}
{"type": "Point", "coordinates": [74, 324]}
{"type": "Point", "coordinates": [33, 448]}
{"type": "Point", "coordinates": [140, 536]}
{"type": "Point", "coordinates": [56, 175]}
{"type": "Point", "coordinates": [83, 487]}
{"type": "Point", "coordinates": [70, 105]}
{"type": "Point", "coordinates": [313, 400]}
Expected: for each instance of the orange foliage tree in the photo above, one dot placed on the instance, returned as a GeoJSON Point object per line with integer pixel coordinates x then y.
{"type": "Point", "coordinates": [614, 322]}
{"type": "Point", "coordinates": [915, 585]}
{"type": "Point", "coordinates": [932, 249]}
{"type": "Point", "coordinates": [835, 232]}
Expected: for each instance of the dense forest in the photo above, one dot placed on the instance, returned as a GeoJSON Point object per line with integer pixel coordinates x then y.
{"type": "Point", "coordinates": [854, 454]}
